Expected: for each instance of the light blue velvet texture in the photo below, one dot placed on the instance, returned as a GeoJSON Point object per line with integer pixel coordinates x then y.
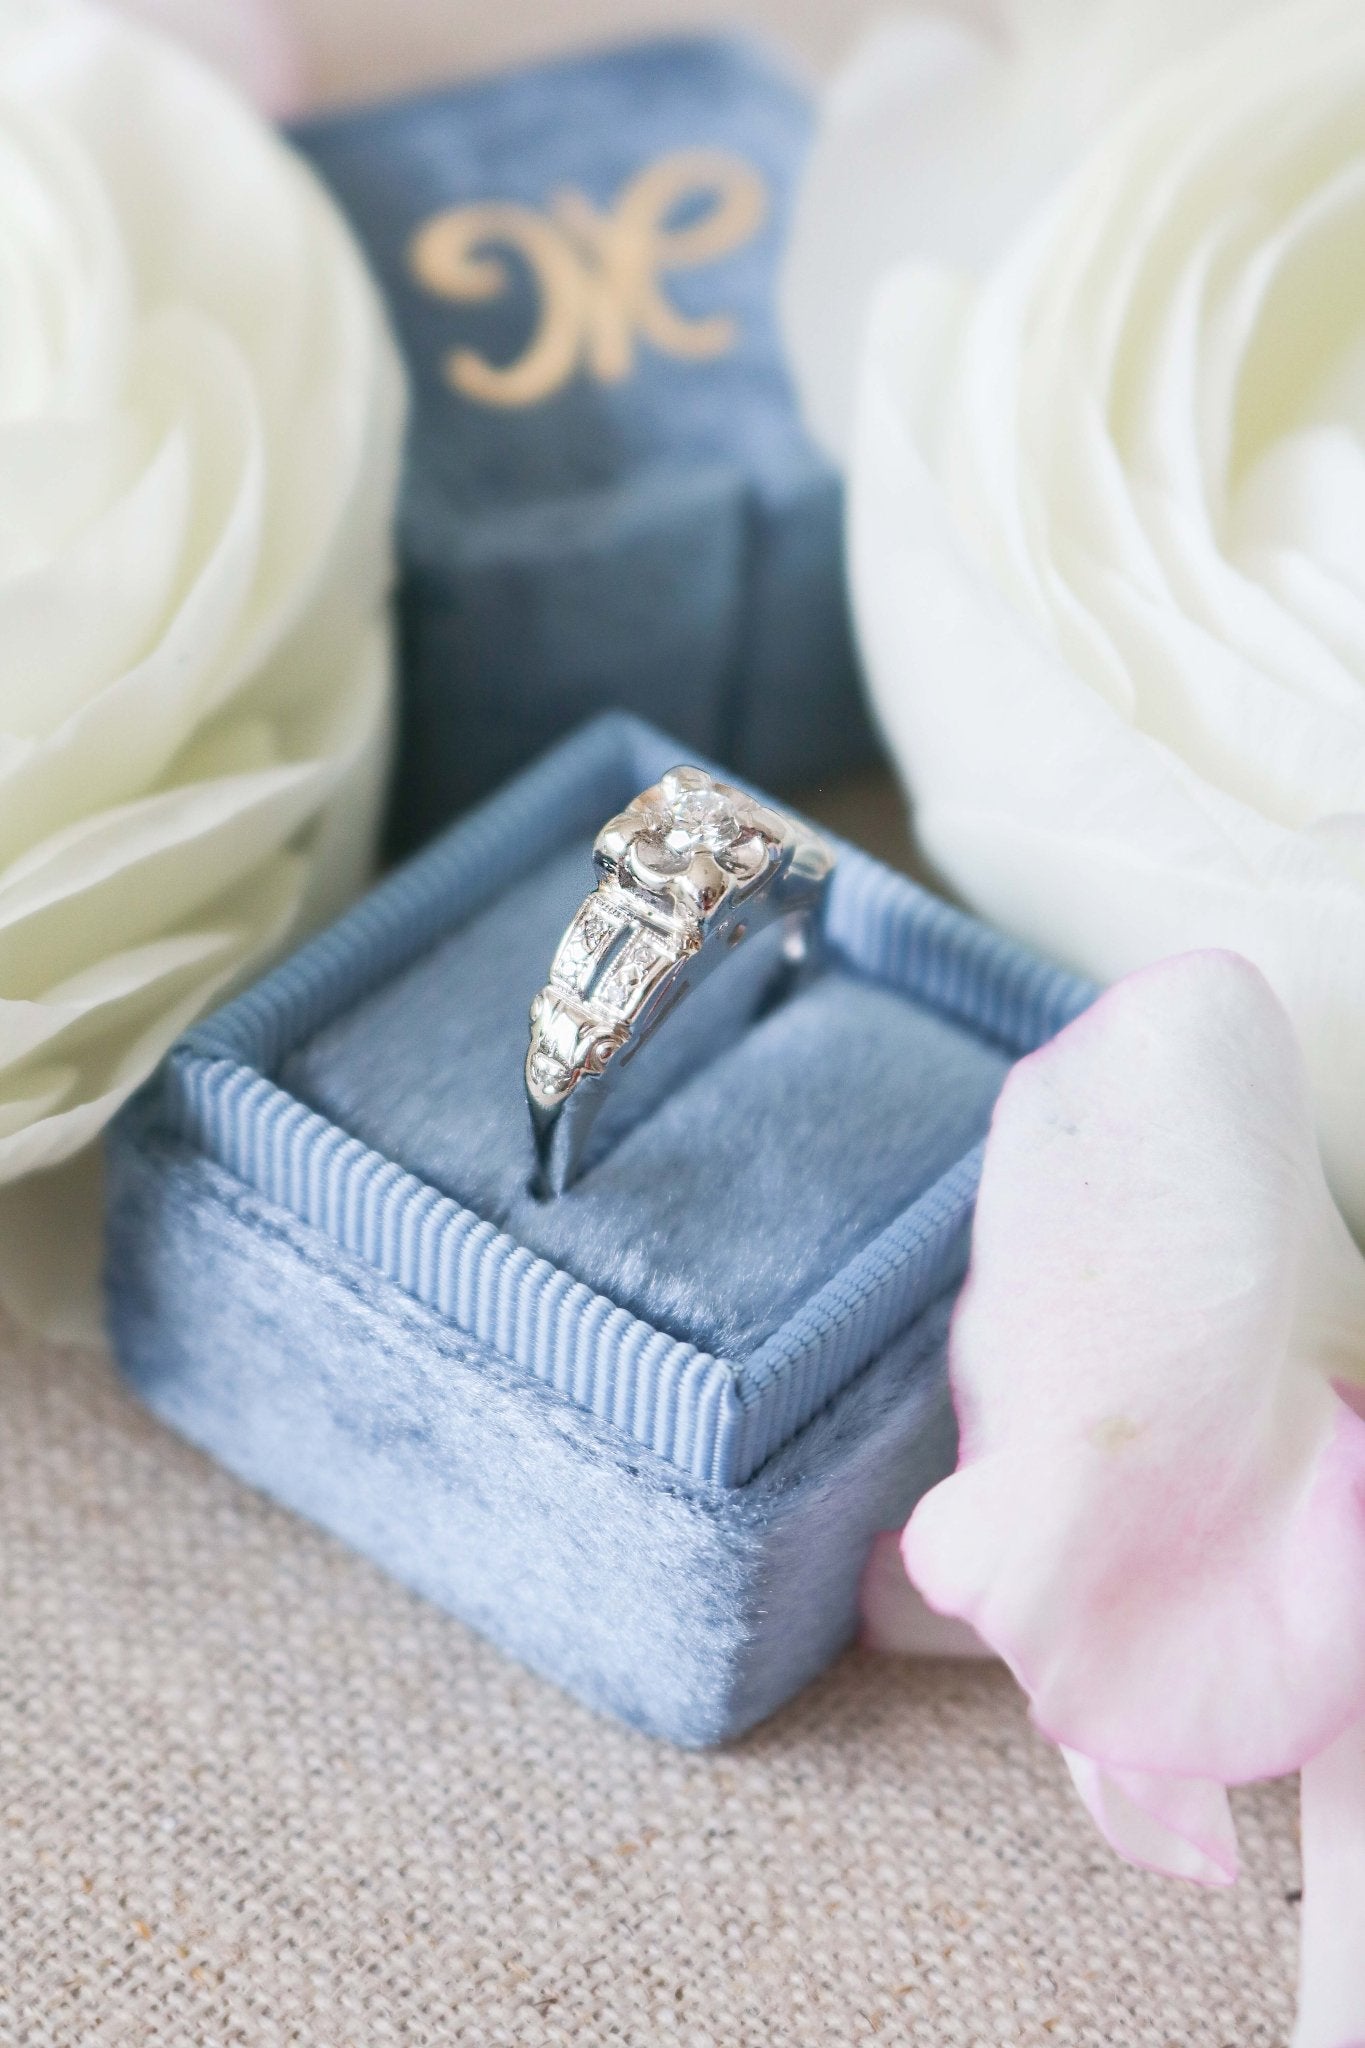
{"type": "Point", "coordinates": [689, 1610]}
{"type": "Point", "coordinates": [670, 543]}
{"type": "Point", "coordinates": [324, 1265]}
{"type": "Point", "coordinates": [748, 1189]}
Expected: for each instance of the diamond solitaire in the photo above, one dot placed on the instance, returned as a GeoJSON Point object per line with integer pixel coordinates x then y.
{"type": "Point", "coordinates": [689, 874]}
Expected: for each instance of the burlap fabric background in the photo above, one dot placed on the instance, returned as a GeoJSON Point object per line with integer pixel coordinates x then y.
{"type": "Point", "coordinates": [251, 1793]}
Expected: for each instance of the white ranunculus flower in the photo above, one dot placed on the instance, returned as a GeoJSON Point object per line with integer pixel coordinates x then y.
{"type": "Point", "coordinates": [951, 121]}
{"type": "Point", "coordinates": [200, 417]}
{"type": "Point", "coordinates": [1107, 509]}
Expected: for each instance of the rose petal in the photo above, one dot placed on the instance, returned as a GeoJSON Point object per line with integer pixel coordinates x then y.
{"type": "Point", "coordinates": [41, 1091]}
{"type": "Point", "coordinates": [1095, 844]}
{"type": "Point", "coordinates": [1111, 297]}
{"type": "Point", "coordinates": [895, 1619]}
{"type": "Point", "coordinates": [1159, 1517]}
{"type": "Point", "coordinates": [338, 849]}
{"type": "Point", "coordinates": [200, 424]}
{"type": "Point", "coordinates": [99, 999]}
{"type": "Point", "coordinates": [72, 624]}
{"type": "Point", "coordinates": [918, 110]}
{"type": "Point", "coordinates": [254, 920]}
{"type": "Point", "coordinates": [1181, 1827]}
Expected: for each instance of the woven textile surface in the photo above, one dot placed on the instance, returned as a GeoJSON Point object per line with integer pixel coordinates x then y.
{"type": "Point", "coordinates": [251, 1793]}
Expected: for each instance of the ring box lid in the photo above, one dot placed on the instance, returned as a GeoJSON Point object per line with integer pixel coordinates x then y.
{"type": "Point", "coordinates": [609, 497]}
{"type": "Point", "coordinates": [613, 221]}
{"type": "Point", "coordinates": [717, 1417]}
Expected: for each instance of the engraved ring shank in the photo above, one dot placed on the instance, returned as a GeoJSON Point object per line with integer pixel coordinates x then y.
{"type": "Point", "coordinates": [693, 873]}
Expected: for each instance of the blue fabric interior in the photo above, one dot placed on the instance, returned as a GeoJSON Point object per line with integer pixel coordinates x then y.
{"type": "Point", "coordinates": [725, 1208]}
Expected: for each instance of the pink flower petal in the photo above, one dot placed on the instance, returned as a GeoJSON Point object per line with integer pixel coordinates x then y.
{"type": "Point", "coordinates": [895, 1618]}
{"type": "Point", "coordinates": [1159, 1515]}
{"type": "Point", "coordinates": [1181, 1827]}
{"type": "Point", "coordinates": [1332, 1960]}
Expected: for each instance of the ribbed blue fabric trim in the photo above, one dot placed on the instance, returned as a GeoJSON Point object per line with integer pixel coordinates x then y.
{"type": "Point", "coordinates": [717, 1419]}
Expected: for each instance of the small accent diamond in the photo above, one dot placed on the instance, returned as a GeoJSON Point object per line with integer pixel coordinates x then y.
{"type": "Point", "coordinates": [638, 961]}
{"type": "Point", "coordinates": [582, 947]}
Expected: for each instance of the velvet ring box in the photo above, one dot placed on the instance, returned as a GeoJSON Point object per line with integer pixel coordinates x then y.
{"type": "Point", "coordinates": [641, 1435]}
{"type": "Point", "coordinates": [609, 497]}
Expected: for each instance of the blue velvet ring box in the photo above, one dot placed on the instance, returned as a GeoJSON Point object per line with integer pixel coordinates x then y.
{"type": "Point", "coordinates": [641, 1435]}
{"type": "Point", "coordinates": [609, 499]}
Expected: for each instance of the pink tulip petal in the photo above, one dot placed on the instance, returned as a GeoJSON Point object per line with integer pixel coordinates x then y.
{"type": "Point", "coordinates": [1332, 1957]}
{"type": "Point", "coordinates": [1159, 1517]}
{"type": "Point", "coordinates": [894, 1617]}
{"type": "Point", "coordinates": [1181, 1827]}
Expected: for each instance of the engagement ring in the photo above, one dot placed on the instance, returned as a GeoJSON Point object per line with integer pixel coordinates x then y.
{"type": "Point", "coordinates": [692, 873]}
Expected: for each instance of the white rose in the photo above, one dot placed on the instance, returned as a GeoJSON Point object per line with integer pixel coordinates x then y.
{"type": "Point", "coordinates": [1108, 542]}
{"type": "Point", "coordinates": [200, 417]}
